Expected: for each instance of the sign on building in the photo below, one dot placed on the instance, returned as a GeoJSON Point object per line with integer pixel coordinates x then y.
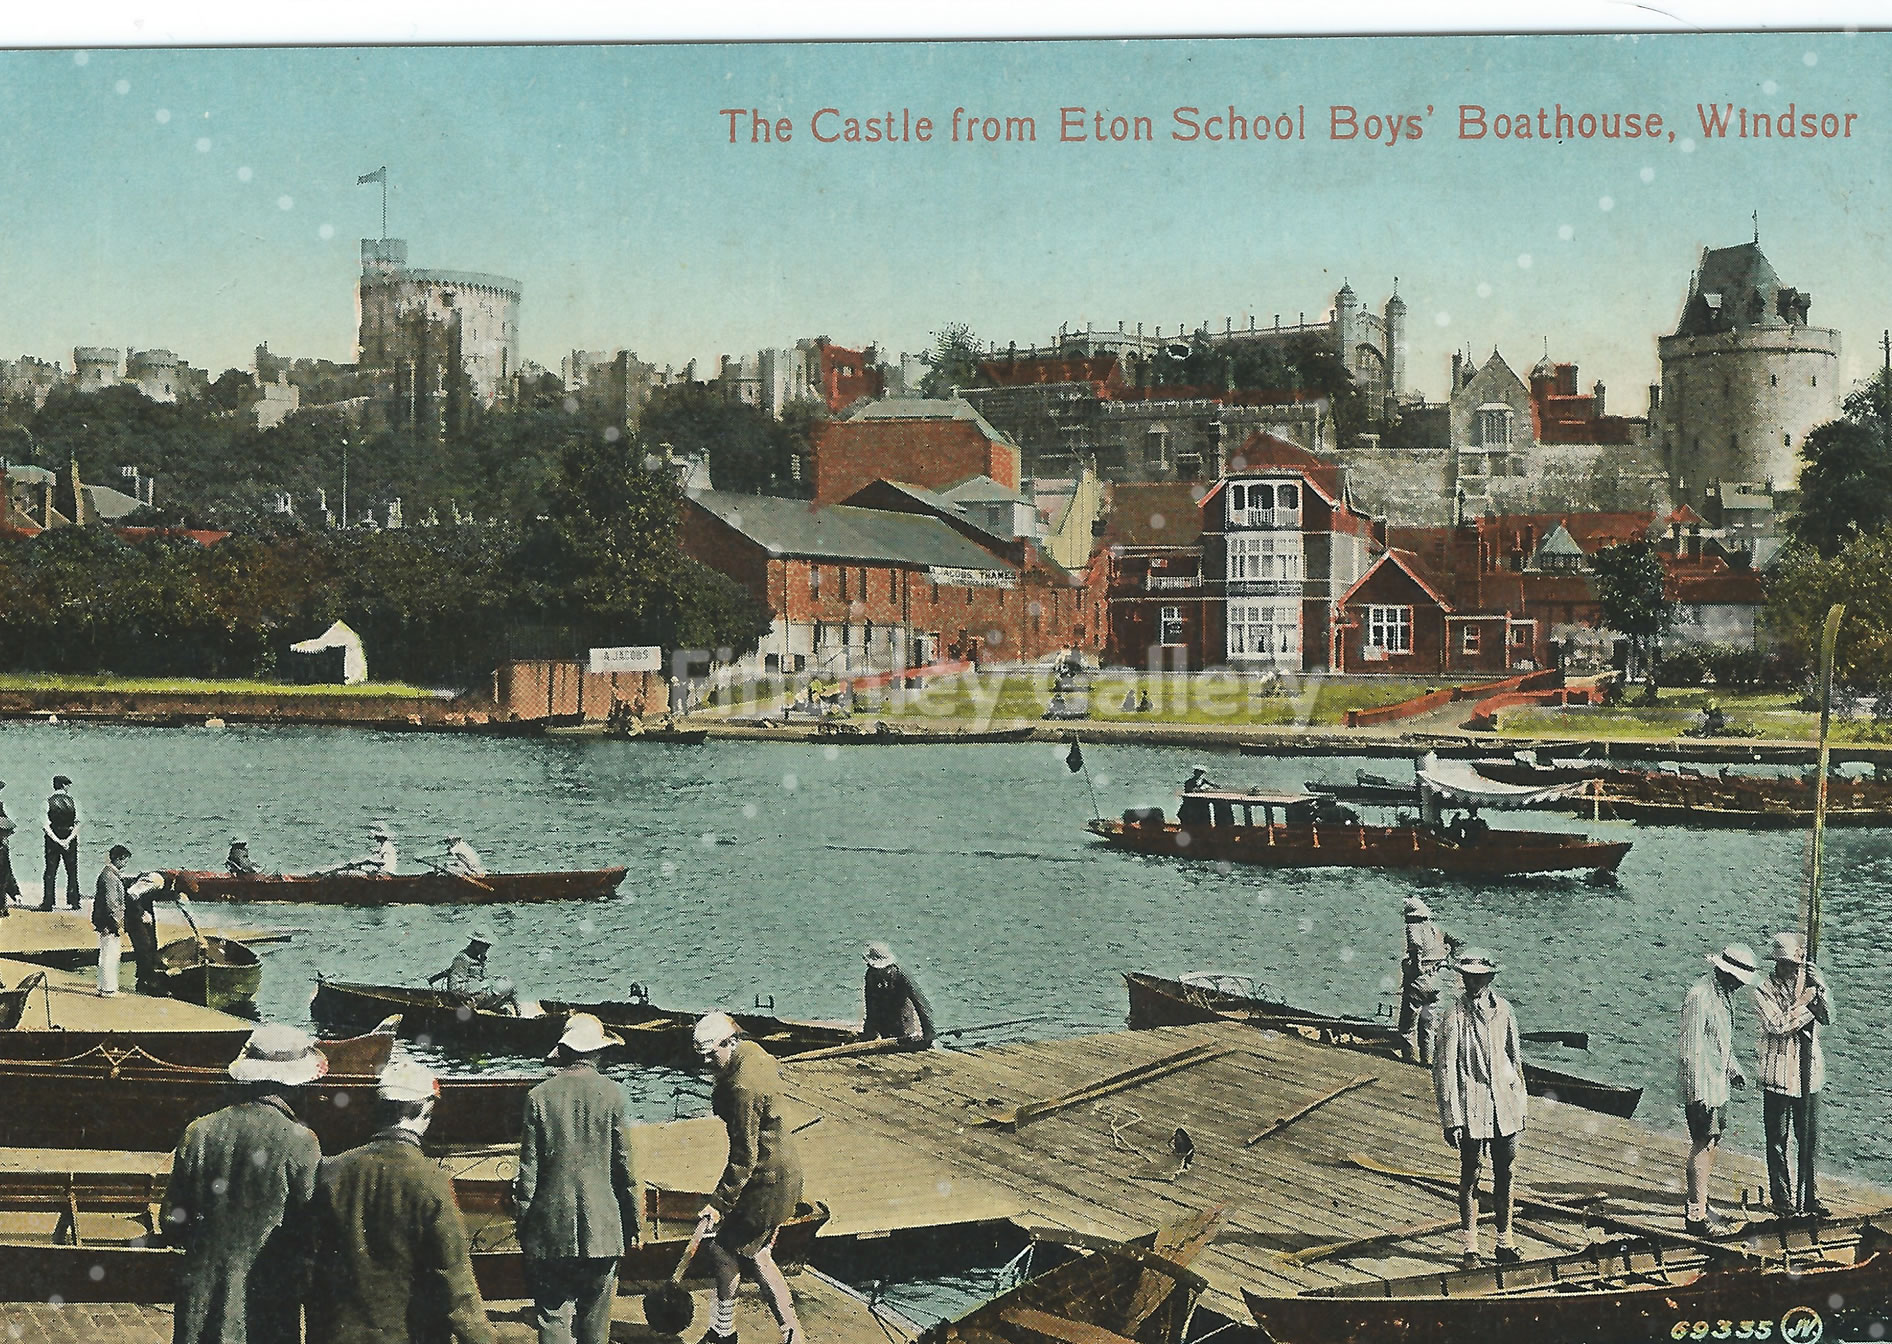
{"type": "Point", "coordinates": [628, 658]}
{"type": "Point", "coordinates": [973, 578]}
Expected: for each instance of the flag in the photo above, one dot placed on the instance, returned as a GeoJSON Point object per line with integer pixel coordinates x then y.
{"type": "Point", "coordinates": [378, 175]}
{"type": "Point", "coordinates": [1074, 759]}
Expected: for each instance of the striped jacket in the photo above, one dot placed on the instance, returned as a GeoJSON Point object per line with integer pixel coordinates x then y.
{"type": "Point", "coordinates": [1784, 1027]}
{"type": "Point", "coordinates": [1478, 1068]}
{"type": "Point", "coordinates": [1707, 1053]}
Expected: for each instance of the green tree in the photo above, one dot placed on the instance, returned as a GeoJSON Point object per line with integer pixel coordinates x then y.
{"type": "Point", "coordinates": [1630, 589]}
{"type": "Point", "coordinates": [1802, 584]}
{"type": "Point", "coordinates": [953, 361]}
{"type": "Point", "coordinates": [1846, 482]}
{"type": "Point", "coordinates": [748, 453]}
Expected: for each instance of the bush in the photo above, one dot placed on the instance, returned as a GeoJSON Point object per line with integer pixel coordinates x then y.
{"type": "Point", "coordinates": [1780, 669]}
{"type": "Point", "coordinates": [1684, 666]}
{"type": "Point", "coordinates": [1731, 665]}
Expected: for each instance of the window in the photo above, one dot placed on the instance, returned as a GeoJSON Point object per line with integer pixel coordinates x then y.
{"type": "Point", "coordinates": [1494, 426]}
{"type": "Point", "coordinates": [814, 582]}
{"type": "Point", "coordinates": [1172, 626]}
{"type": "Point", "coordinates": [893, 585]}
{"type": "Point", "coordinates": [1266, 630]}
{"type": "Point", "coordinates": [1275, 557]}
{"type": "Point", "coordinates": [1469, 639]}
{"type": "Point", "coordinates": [1389, 628]}
{"type": "Point", "coordinates": [819, 641]}
{"type": "Point", "coordinates": [935, 596]}
{"type": "Point", "coordinates": [843, 571]}
{"type": "Point", "coordinates": [1773, 380]}
{"type": "Point", "coordinates": [863, 583]}
{"type": "Point", "coordinates": [1521, 632]}
{"type": "Point", "coordinates": [968, 597]}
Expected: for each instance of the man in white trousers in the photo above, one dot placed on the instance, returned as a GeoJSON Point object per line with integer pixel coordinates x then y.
{"type": "Point", "coordinates": [108, 917]}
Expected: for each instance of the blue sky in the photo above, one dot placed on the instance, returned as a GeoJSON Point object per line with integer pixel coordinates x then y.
{"type": "Point", "coordinates": [205, 201]}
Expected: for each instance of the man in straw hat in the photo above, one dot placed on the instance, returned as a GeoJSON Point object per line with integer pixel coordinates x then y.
{"type": "Point", "coordinates": [238, 862]}
{"type": "Point", "coordinates": [894, 1007]}
{"type": "Point", "coordinates": [760, 1185]}
{"type": "Point", "coordinates": [1707, 1071]}
{"type": "Point", "coordinates": [390, 1249]}
{"type": "Point", "coordinates": [1428, 949]}
{"type": "Point", "coordinates": [1793, 1003]}
{"type": "Point", "coordinates": [238, 1200]}
{"type": "Point", "coordinates": [467, 975]}
{"type": "Point", "coordinates": [1478, 1073]}
{"type": "Point", "coordinates": [576, 1194]}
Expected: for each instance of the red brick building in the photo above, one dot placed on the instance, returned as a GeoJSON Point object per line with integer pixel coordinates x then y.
{"type": "Point", "coordinates": [924, 442]}
{"type": "Point", "coordinates": [854, 591]}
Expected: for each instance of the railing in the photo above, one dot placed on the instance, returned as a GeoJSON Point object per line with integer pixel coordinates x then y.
{"type": "Point", "coordinates": [1156, 583]}
{"type": "Point", "coordinates": [1270, 518]}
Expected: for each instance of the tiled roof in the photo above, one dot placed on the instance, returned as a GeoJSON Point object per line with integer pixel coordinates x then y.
{"type": "Point", "coordinates": [793, 527]}
{"type": "Point", "coordinates": [924, 408]}
{"type": "Point", "coordinates": [1158, 513]}
{"type": "Point", "coordinates": [981, 488]}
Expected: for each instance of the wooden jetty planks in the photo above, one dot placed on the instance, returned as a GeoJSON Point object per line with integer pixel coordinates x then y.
{"type": "Point", "coordinates": [1101, 1165]}
{"type": "Point", "coordinates": [76, 1005]}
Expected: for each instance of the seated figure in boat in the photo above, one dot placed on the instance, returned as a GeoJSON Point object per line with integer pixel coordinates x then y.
{"type": "Point", "coordinates": [1195, 811]}
{"type": "Point", "coordinates": [238, 862]}
{"type": "Point", "coordinates": [1469, 828]}
{"type": "Point", "coordinates": [468, 978]}
{"type": "Point", "coordinates": [895, 1007]}
{"type": "Point", "coordinates": [382, 861]}
{"type": "Point", "coordinates": [462, 860]}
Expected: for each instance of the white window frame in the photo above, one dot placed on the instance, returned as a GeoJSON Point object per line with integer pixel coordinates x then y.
{"type": "Point", "coordinates": [1266, 630]}
{"type": "Point", "coordinates": [1389, 628]}
{"type": "Point", "coordinates": [1166, 617]}
{"type": "Point", "coordinates": [1267, 557]}
{"type": "Point", "coordinates": [1471, 639]}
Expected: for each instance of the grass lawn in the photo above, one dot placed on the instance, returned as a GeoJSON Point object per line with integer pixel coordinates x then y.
{"type": "Point", "coordinates": [1207, 699]}
{"type": "Point", "coordinates": [1770, 714]}
{"type": "Point", "coordinates": [80, 685]}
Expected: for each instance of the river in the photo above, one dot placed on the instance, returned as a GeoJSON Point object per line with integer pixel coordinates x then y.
{"type": "Point", "coordinates": [761, 869]}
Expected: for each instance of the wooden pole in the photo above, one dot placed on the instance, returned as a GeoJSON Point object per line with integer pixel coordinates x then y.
{"type": "Point", "coordinates": [1828, 640]}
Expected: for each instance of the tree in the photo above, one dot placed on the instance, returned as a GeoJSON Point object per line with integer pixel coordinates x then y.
{"type": "Point", "coordinates": [748, 453]}
{"type": "Point", "coordinates": [952, 362]}
{"type": "Point", "coordinates": [1846, 482]}
{"type": "Point", "coordinates": [1629, 586]}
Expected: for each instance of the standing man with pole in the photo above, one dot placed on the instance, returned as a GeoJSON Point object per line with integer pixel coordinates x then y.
{"type": "Point", "coordinates": [1708, 1070]}
{"type": "Point", "coordinates": [1428, 949]}
{"type": "Point", "coordinates": [1792, 1004]}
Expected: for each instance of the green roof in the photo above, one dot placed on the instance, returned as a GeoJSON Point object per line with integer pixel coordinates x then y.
{"type": "Point", "coordinates": [794, 527]}
{"type": "Point", "coordinates": [1559, 542]}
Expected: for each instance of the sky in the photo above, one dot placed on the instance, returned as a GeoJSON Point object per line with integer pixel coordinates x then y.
{"type": "Point", "coordinates": [205, 201]}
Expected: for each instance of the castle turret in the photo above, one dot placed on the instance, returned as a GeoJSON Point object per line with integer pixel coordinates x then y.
{"type": "Point", "coordinates": [1395, 345]}
{"type": "Point", "coordinates": [94, 367]}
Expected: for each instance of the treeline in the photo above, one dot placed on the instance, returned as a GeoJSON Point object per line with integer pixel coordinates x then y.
{"type": "Point", "coordinates": [434, 605]}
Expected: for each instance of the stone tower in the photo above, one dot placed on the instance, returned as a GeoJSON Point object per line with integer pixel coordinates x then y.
{"type": "Point", "coordinates": [1744, 378]}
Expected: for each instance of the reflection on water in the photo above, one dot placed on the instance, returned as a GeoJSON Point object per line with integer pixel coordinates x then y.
{"type": "Point", "coordinates": [760, 869]}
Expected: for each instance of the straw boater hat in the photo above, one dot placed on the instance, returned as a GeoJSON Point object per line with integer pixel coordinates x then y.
{"type": "Point", "coordinates": [1477, 961]}
{"type": "Point", "coordinates": [585, 1035]}
{"type": "Point", "coordinates": [878, 955]}
{"type": "Point", "coordinates": [1737, 960]}
{"type": "Point", "coordinates": [1789, 947]}
{"type": "Point", "coordinates": [278, 1053]}
{"type": "Point", "coordinates": [404, 1080]}
{"type": "Point", "coordinates": [1417, 909]}
{"type": "Point", "coordinates": [483, 937]}
{"type": "Point", "coordinates": [711, 1030]}
{"type": "Point", "coordinates": [379, 831]}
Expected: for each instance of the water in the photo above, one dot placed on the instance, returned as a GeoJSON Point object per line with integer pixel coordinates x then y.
{"type": "Point", "coordinates": [762, 868]}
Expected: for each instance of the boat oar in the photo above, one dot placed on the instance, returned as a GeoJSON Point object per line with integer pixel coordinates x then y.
{"type": "Point", "coordinates": [669, 1307]}
{"type": "Point", "coordinates": [203, 944]}
{"type": "Point", "coordinates": [1576, 1040]}
{"type": "Point", "coordinates": [464, 877]}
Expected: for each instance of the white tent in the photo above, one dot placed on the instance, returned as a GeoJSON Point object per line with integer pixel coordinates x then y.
{"type": "Point", "coordinates": [339, 636]}
{"type": "Point", "coordinates": [1456, 783]}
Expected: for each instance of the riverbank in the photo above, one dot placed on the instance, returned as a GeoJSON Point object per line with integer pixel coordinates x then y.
{"type": "Point", "coordinates": [196, 704]}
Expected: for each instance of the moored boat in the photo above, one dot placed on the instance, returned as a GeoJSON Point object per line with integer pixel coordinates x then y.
{"type": "Point", "coordinates": [364, 1054]}
{"type": "Point", "coordinates": [884, 734]}
{"type": "Point", "coordinates": [122, 1257]}
{"type": "Point", "coordinates": [1242, 828]}
{"type": "Point", "coordinates": [681, 737]}
{"type": "Point", "coordinates": [1799, 1284]}
{"type": "Point", "coordinates": [652, 1035]}
{"type": "Point", "coordinates": [98, 1099]}
{"type": "Point", "coordinates": [215, 972]}
{"type": "Point", "coordinates": [433, 888]}
{"type": "Point", "coordinates": [13, 1001]}
{"type": "Point", "coordinates": [1159, 1002]}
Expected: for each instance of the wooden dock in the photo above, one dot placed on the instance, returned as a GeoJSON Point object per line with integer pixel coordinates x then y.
{"type": "Point", "coordinates": [1080, 1134]}
{"type": "Point", "coordinates": [66, 940]}
{"type": "Point", "coordinates": [72, 1001]}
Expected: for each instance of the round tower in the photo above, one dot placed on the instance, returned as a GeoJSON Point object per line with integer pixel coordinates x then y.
{"type": "Point", "coordinates": [1745, 377]}
{"type": "Point", "coordinates": [94, 367]}
{"type": "Point", "coordinates": [1395, 345]}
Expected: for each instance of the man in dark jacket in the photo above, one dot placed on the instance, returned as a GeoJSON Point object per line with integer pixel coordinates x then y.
{"type": "Point", "coordinates": [9, 885]}
{"type": "Point", "coordinates": [390, 1250]}
{"type": "Point", "coordinates": [238, 1201]}
{"type": "Point", "coordinates": [576, 1194]}
{"type": "Point", "coordinates": [108, 918]}
{"type": "Point", "coordinates": [761, 1183]}
{"type": "Point", "coordinates": [62, 845]}
{"type": "Point", "coordinates": [895, 1008]}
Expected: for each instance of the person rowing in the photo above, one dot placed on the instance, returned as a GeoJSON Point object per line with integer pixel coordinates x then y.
{"type": "Point", "coordinates": [459, 860]}
{"type": "Point", "coordinates": [382, 861]}
{"type": "Point", "coordinates": [467, 978]}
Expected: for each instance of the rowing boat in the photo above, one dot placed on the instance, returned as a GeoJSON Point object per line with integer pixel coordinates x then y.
{"type": "Point", "coordinates": [1299, 841]}
{"type": "Point", "coordinates": [1157, 1002]}
{"type": "Point", "coordinates": [364, 1054]}
{"type": "Point", "coordinates": [652, 1035]}
{"type": "Point", "coordinates": [1118, 1292]}
{"type": "Point", "coordinates": [96, 1237]}
{"type": "Point", "coordinates": [1797, 1283]}
{"type": "Point", "coordinates": [884, 734]}
{"type": "Point", "coordinates": [212, 971]}
{"type": "Point", "coordinates": [435, 888]}
{"type": "Point", "coordinates": [13, 1001]}
{"type": "Point", "coordinates": [137, 1102]}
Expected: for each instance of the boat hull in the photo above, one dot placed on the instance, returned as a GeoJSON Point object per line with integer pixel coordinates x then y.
{"type": "Point", "coordinates": [1748, 1303]}
{"type": "Point", "coordinates": [652, 1035]}
{"type": "Point", "coordinates": [408, 889]}
{"type": "Point", "coordinates": [1157, 1002]}
{"type": "Point", "coordinates": [218, 973]}
{"type": "Point", "coordinates": [851, 735]}
{"type": "Point", "coordinates": [144, 1106]}
{"type": "Point", "coordinates": [1500, 853]}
